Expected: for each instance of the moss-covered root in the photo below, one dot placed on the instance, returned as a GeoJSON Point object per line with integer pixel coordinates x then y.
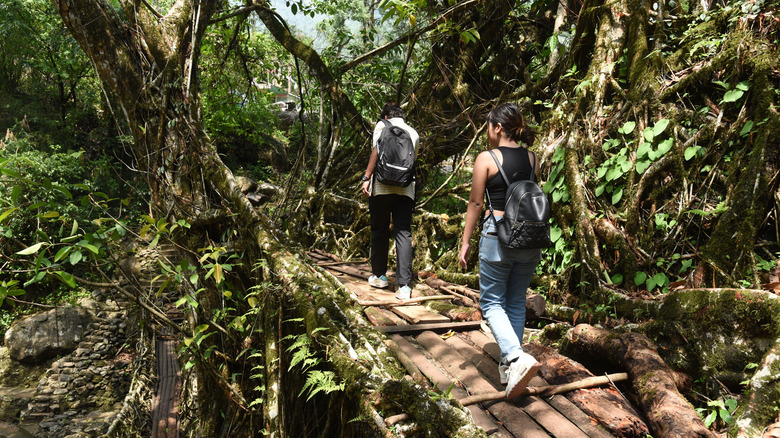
{"type": "Point", "coordinates": [428, 417]}
{"type": "Point", "coordinates": [669, 414]}
{"type": "Point", "coordinates": [762, 399]}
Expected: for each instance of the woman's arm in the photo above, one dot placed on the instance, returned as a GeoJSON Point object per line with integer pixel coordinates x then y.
{"type": "Point", "coordinates": [474, 209]}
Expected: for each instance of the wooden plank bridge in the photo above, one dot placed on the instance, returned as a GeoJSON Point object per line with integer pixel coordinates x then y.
{"type": "Point", "coordinates": [438, 351]}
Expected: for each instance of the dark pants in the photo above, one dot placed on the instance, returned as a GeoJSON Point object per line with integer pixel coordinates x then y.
{"type": "Point", "coordinates": [382, 208]}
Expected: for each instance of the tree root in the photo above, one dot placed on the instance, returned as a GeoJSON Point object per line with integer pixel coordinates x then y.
{"type": "Point", "coordinates": [669, 414]}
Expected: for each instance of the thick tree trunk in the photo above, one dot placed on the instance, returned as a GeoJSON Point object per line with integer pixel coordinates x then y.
{"type": "Point", "coordinates": [669, 413]}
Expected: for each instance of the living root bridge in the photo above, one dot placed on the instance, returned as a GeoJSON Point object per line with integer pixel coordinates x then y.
{"type": "Point", "coordinates": [356, 352]}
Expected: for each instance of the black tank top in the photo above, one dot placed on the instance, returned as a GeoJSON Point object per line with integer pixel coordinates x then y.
{"type": "Point", "coordinates": [517, 167]}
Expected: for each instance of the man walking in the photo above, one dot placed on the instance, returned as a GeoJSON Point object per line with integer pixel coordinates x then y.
{"type": "Point", "coordinates": [389, 184]}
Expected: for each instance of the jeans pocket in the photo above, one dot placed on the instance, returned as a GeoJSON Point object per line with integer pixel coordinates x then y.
{"type": "Point", "coordinates": [490, 249]}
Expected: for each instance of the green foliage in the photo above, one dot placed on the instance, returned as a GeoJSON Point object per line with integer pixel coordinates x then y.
{"type": "Point", "coordinates": [316, 380]}
{"type": "Point", "coordinates": [718, 412]}
{"type": "Point", "coordinates": [47, 204]}
{"type": "Point", "coordinates": [238, 108]}
{"type": "Point", "coordinates": [39, 55]}
{"type": "Point", "coordinates": [555, 186]}
{"type": "Point", "coordinates": [733, 94]}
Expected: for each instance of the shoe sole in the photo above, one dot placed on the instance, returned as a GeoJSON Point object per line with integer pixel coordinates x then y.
{"type": "Point", "coordinates": [523, 383]}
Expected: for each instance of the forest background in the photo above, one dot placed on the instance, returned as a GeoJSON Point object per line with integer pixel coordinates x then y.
{"type": "Point", "coordinates": [657, 134]}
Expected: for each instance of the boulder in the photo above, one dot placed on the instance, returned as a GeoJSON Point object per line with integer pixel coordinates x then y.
{"type": "Point", "coordinates": [44, 335]}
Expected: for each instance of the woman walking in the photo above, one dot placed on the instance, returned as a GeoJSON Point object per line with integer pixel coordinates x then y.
{"type": "Point", "coordinates": [504, 273]}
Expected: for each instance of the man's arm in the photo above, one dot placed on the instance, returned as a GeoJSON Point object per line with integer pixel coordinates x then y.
{"type": "Point", "coordinates": [370, 170]}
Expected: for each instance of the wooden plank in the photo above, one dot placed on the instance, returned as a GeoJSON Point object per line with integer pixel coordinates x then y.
{"type": "Point", "coordinates": [581, 419]}
{"type": "Point", "coordinates": [382, 317]}
{"type": "Point", "coordinates": [486, 343]}
{"type": "Point", "coordinates": [393, 302]}
{"type": "Point", "coordinates": [514, 419]}
{"type": "Point", "coordinates": [416, 328]}
{"type": "Point", "coordinates": [419, 315]}
{"type": "Point", "coordinates": [541, 412]}
{"type": "Point", "coordinates": [443, 382]}
{"type": "Point", "coordinates": [561, 404]}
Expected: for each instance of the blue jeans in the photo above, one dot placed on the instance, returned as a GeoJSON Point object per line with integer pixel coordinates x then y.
{"type": "Point", "coordinates": [504, 276]}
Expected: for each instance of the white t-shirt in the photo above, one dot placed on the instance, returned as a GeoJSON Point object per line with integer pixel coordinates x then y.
{"type": "Point", "coordinates": [377, 188]}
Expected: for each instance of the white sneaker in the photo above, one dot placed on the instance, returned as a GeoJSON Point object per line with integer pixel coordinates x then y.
{"type": "Point", "coordinates": [380, 282]}
{"type": "Point", "coordinates": [502, 369]}
{"type": "Point", "coordinates": [403, 293]}
{"type": "Point", "coordinates": [520, 372]}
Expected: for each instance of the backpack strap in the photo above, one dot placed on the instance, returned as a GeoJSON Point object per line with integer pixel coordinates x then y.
{"type": "Point", "coordinates": [503, 175]}
{"type": "Point", "coordinates": [500, 169]}
{"type": "Point", "coordinates": [533, 166]}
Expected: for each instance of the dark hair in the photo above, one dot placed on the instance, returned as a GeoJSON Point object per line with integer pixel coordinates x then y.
{"type": "Point", "coordinates": [391, 110]}
{"type": "Point", "coordinates": [511, 119]}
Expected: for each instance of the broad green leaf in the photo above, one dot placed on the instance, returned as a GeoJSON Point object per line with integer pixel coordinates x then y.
{"type": "Point", "coordinates": [643, 149]}
{"type": "Point", "coordinates": [691, 151]}
{"type": "Point", "coordinates": [616, 196]}
{"type": "Point", "coordinates": [75, 227]}
{"type": "Point", "coordinates": [641, 166]}
{"type": "Point", "coordinates": [648, 134]}
{"type": "Point", "coordinates": [625, 165]}
{"type": "Point", "coordinates": [650, 284]}
{"type": "Point", "coordinates": [640, 278]}
{"type": "Point", "coordinates": [710, 419]}
{"type": "Point", "coordinates": [732, 95]}
{"type": "Point", "coordinates": [617, 278]}
{"type": "Point", "coordinates": [38, 277]}
{"type": "Point", "coordinates": [660, 127]}
{"type": "Point", "coordinates": [665, 146]}
{"type": "Point", "coordinates": [744, 86]}
{"type": "Point", "coordinates": [31, 249]}
{"type": "Point", "coordinates": [7, 213]}
{"type": "Point", "coordinates": [253, 301]}
{"type": "Point", "coordinates": [10, 172]}
{"type": "Point", "coordinates": [747, 128]}
{"type": "Point", "coordinates": [15, 192]}
{"type": "Point", "coordinates": [627, 128]}
{"type": "Point", "coordinates": [75, 257]}
{"type": "Point", "coordinates": [50, 214]}
{"type": "Point", "coordinates": [89, 246]}
{"type": "Point", "coordinates": [600, 189]}
{"type": "Point", "coordinates": [614, 173]}
{"type": "Point", "coordinates": [63, 190]}
{"type": "Point", "coordinates": [661, 279]}
{"type": "Point", "coordinates": [62, 253]}
{"type": "Point", "coordinates": [66, 278]}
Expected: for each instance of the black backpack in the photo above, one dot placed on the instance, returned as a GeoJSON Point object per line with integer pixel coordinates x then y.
{"type": "Point", "coordinates": [395, 162]}
{"type": "Point", "coordinates": [527, 213]}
